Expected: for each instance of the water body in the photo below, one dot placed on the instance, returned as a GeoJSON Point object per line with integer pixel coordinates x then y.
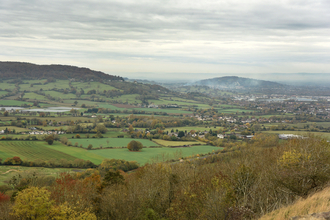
{"type": "Point", "coordinates": [10, 108]}
{"type": "Point", "coordinates": [49, 109]}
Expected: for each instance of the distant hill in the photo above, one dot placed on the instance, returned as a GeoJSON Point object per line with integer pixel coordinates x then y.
{"type": "Point", "coordinates": [235, 82]}
{"type": "Point", "coordinates": [19, 70]}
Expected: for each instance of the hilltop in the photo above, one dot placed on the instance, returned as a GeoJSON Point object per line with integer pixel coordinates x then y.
{"type": "Point", "coordinates": [20, 70]}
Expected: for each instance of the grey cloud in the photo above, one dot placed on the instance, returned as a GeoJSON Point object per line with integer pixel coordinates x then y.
{"type": "Point", "coordinates": [256, 33]}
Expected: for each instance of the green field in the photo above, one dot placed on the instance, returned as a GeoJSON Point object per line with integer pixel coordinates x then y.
{"type": "Point", "coordinates": [149, 154]}
{"type": "Point", "coordinates": [59, 84]}
{"type": "Point", "coordinates": [113, 142]}
{"type": "Point", "coordinates": [176, 143]}
{"type": "Point", "coordinates": [87, 86]}
{"type": "Point", "coordinates": [34, 96]}
{"type": "Point", "coordinates": [3, 93]}
{"type": "Point", "coordinates": [128, 98]}
{"type": "Point", "coordinates": [31, 150]}
{"type": "Point", "coordinates": [11, 128]}
{"type": "Point", "coordinates": [13, 103]}
{"type": "Point", "coordinates": [60, 95]}
{"type": "Point", "coordinates": [4, 85]}
{"type": "Point", "coordinates": [76, 152]}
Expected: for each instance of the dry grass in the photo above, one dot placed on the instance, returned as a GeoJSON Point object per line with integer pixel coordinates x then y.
{"type": "Point", "coordinates": [319, 202]}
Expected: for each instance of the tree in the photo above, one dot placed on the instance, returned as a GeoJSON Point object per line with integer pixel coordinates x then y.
{"type": "Point", "coordinates": [180, 134]}
{"type": "Point", "coordinates": [49, 139]}
{"type": "Point", "coordinates": [77, 135]}
{"type": "Point", "coordinates": [75, 102]}
{"type": "Point", "coordinates": [90, 147]}
{"type": "Point", "coordinates": [134, 146]}
{"type": "Point", "coordinates": [6, 113]}
{"type": "Point", "coordinates": [32, 203]}
{"type": "Point", "coordinates": [101, 128]}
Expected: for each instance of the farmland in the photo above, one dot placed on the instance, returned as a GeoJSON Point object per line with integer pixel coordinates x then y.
{"type": "Point", "coordinates": [177, 143]}
{"type": "Point", "coordinates": [31, 150]}
{"type": "Point", "coordinates": [149, 154]}
{"type": "Point", "coordinates": [113, 142]}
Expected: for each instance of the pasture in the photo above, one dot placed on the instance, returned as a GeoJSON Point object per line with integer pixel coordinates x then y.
{"type": "Point", "coordinates": [13, 103]}
{"type": "Point", "coordinates": [154, 154]}
{"type": "Point", "coordinates": [113, 142]}
{"type": "Point", "coordinates": [176, 143]}
{"type": "Point", "coordinates": [34, 96]}
{"type": "Point", "coordinates": [59, 84]}
{"type": "Point", "coordinates": [87, 86]}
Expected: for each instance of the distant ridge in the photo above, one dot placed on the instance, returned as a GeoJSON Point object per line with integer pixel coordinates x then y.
{"type": "Point", "coordinates": [235, 82]}
{"type": "Point", "coordinates": [20, 70]}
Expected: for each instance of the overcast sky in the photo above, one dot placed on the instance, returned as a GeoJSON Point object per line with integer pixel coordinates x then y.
{"type": "Point", "coordinates": [152, 39]}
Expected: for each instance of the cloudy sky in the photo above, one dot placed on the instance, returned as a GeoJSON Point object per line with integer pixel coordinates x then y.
{"type": "Point", "coordinates": [173, 39]}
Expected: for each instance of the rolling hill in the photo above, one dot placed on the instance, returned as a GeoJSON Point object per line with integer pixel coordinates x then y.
{"type": "Point", "coordinates": [238, 83]}
{"type": "Point", "coordinates": [20, 70]}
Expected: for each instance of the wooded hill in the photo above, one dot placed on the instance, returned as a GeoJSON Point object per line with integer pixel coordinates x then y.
{"type": "Point", "coordinates": [19, 70]}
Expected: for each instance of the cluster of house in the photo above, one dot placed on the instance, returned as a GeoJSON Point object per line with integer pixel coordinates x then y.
{"type": "Point", "coordinates": [289, 136]}
{"type": "Point", "coordinates": [44, 132]}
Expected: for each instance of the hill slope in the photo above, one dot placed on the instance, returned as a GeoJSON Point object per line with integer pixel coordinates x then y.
{"type": "Point", "coordinates": [319, 202]}
{"type": "Point", "coordinates": [19, 70]}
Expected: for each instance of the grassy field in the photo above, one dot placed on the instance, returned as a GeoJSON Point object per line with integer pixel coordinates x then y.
{"type": "Point", "coordinates": [13, 103]}
{"type": "Point", "coordinates": [59, 84]}
{"type": "Point", "coordinates": [3, 93]}
{"type": "Point", "coordinates": [31, 150]}
{"type": "Point", "coordinates": [34, 96]}
{"type": "Point", "coordinates": [76, 152]}
{"type": "Point", "coordinates": [60, 95]}
{"type": "Point", "coordinates": [113, 142]}
{"type": "Point", "coordinates": [128, 98]}
{"type": "Point", "coordinates": [176, 143]}
{"type": "Point", "coordinates": [11, 128]}
{"type": "Point", "coordinates": [149, 154]}
{"type": "Point", "coordinates": [86, 86]}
